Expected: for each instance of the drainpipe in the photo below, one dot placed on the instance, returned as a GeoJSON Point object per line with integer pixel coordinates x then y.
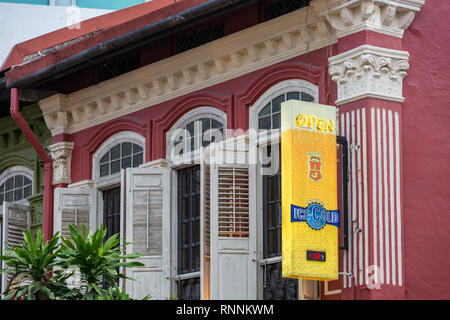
{"type": "Point", "coordinates": [48, 164]}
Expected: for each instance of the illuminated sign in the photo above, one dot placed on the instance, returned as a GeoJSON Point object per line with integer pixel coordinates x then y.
{"type": "Point", "coordinates": [315, 256]}
{"type": "Point", "coordinates": [310, 219]}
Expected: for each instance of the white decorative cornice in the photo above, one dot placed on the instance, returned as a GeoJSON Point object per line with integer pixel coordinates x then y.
{"type": "Point", "coordinates": [369, 71]}
{"type": "Point", "coordinates": [240, 53]}
{"type": "Point", "coordinates": [391, 17]}
{"type": "Point", "coordinates": [61, 153]}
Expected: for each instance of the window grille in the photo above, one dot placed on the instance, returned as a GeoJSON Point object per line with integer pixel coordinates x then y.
{"type": "Point", "coordinates": [121, 156]}
{"type": "Point", "coordinates": [233, 203]}
{"type": "Point", "coordinates": [196, 134]}
{"type": "Point", "coordinates": [277, 8]}
{"type": "Point", "coordinates": [15, 188]}
{"type": "Point", "coordinates": [189, 220]}
{"type": "Point", "coordinates": [115, 67]}
{"type": "Point", "coordinates": [201, 36]}
{"type": "Point", "coordinates": [270, 116]}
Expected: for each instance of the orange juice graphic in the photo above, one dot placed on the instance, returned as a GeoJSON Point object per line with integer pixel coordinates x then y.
{"type": "Point", "coordinates": [310, 219]}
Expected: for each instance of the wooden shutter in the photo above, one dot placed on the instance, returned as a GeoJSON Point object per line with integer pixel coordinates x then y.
{"type": "Point", "coordinates": [233, 202]}
{"type": "Point", "coordinates": [145, 207]}
{"type": "Point", "coordinates": [233, 224]}
{"type": "Point", "coordinates": [74, 206]}
{"type": "Point", "coordinates": [16, 219]}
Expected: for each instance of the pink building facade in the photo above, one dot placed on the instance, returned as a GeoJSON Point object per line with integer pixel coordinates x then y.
{"type": "Point", "coordinates": [382, 63]}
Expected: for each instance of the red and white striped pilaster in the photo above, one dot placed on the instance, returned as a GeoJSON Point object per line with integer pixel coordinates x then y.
{"type": "Point", "coordinates": [369, 81]}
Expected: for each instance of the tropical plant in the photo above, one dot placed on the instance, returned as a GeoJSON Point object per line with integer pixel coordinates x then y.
{"type": "Point", "coordinates": [97, 260]}
{"type": "Point", "coordinates": [47, 266]}
{"type": "Point", "coordinates": [34, 261]}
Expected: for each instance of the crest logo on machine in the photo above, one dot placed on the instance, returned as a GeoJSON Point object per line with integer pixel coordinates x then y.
{"type": "Point", "coordinates": [315, 166]}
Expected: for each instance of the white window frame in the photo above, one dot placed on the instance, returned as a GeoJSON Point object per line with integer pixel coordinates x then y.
{"type": "Point", "coordinates": [283, 87]}
{"type": "Point", "coordinates": [112, 180]}
{"type": "Point", "coordinates": [118, 138]}
{"type": "Point", "coordinates": [14, 171]}
{"type": "Point", "coordinates": [193, 115]}
{"type": "Point", "coordinates": [188, 159]}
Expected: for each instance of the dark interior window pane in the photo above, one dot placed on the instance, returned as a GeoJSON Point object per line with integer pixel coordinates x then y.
{"type": "Point", "coordinates": [104, 169]}
{"type": "Point", "coordinates": [138, 159]}
{"type": "Point", "coordinates": [126, 162]}
{"type": "Point", "coordinates": [265, 111]}
{"type": "Point", "coordinates": [270, 215]}
{"type": "Point", "coordinates": [27, 192]}
{"type": "Point", "coordinates": [26, 181]}
{"type": "Point", "coordinates": [137, 148]}
{"type": "Point", "coordinates": [264, 123]}
{"type": "Point", "coordinates": [126, 149]}
{"type": "Point", "coordinates": [105, 158]}
{"type": "Point", "coordinates": [2, 197]}
{"type": "Point", "coordinates": [276, 103]}
{"type": "Point", "coordinates": [293, 96]}
{"type": "Point", "coordinates": [18, 194]}
{"type": "Point", "coordinates": [270, 190]}
{"type": "Point", "coordinates": [276, 121]}
{"type": "Point", "coordinates": [18, 181]}
{"type": "Point", "coordinates": [307, 97]}
{"type": "Point", "coordinates": [206, 124]}
{"type": "Point", "coordinates": [2, 188]}
{"type": "Point", "coordinates": [271, 241]}
{"type": "Point", "coordinates": [115, 166]}
{"type": "Point", "coordinates": [115, 152]}
{"type": "Point", "coordinates": [9, 196]}
{"type": "Point", "coordinates": [190, 129]}
{"type": "Point", "coordinates": [216, 124]}
{"type": "Point", "coordinates": [185, 208]}
{"type": "Point", "coordinates": [10, 183]}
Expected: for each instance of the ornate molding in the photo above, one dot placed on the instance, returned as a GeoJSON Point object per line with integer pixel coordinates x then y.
{"type": "Point", "coordinates": [61, 153]}
{"type": "Point", "coordinates": [243, 52]}
{"type": "Point", "coordinates": [369, 71]}
{"type": "Point", "coordinates": [391, 17]}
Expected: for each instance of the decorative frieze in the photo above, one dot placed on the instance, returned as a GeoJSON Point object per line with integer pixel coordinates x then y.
{"type": "Point", "coordinates": [61, 153]}
{"type": "Point", "coordinates": [245, 51]}
{"type": "Point", "coordinates": [391, 17]}
{"type": "Point", "coordinates": [369, 71]}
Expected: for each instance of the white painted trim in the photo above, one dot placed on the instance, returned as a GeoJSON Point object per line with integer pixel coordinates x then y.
{"type": "Point", "coordinates": [14, 171]}
{"type": "Point", "coordinates": [120, 137]}
{"type": "Point", "coordinates": [193, 115]}
{"type": "Point", "coordinates": [17, 170]}
{"type": "Point", "coordinates": [281, 87]}
{"type": "Point", "coordinates": [256, 47]}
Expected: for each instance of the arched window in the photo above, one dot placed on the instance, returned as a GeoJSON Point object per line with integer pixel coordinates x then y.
{"type": "Point", "coordinates": [16, 183]}
{"type": "Point", "coordinates": [265, 115]}
{"type": "Point", "coordinates": [122, 150]}
{"type": "Point", "coordinates": [196, 129]}
{"type": "Point", "coordinates": [121, 156]}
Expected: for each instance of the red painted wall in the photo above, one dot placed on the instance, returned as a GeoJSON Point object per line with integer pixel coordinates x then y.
{"type": "Point", "coordinates": [426, 154]}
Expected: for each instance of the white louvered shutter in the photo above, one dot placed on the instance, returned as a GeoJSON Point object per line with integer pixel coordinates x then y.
{"type": "Point", "coordinates": [16, 219]}
{"type": "Point", "coordinates": [74, 206]}
{"type": "Point", "coordinates": [233, 226]}
{"type": "Point", "coordinates": [145, 214]}
{"type": "Point", "coordinates": [205, 218]}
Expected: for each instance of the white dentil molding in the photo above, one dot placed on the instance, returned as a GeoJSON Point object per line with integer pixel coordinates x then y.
{"type": "Point", "coordinates": [369, 71]}
{"type": "Point", "coordinates": [391, 17]}
{"type": "Point", "coordinates": [240, 53]}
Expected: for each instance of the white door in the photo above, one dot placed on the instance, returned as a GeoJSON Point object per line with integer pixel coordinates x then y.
{"type": "Point", "coordinates": [145, 219]}
{"type": "Point", "coordinates": [16, 219]}
{"type": "Point", "coordinates": [74, 206]}
{"type": "Point", "coordinates": [233, 245]}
